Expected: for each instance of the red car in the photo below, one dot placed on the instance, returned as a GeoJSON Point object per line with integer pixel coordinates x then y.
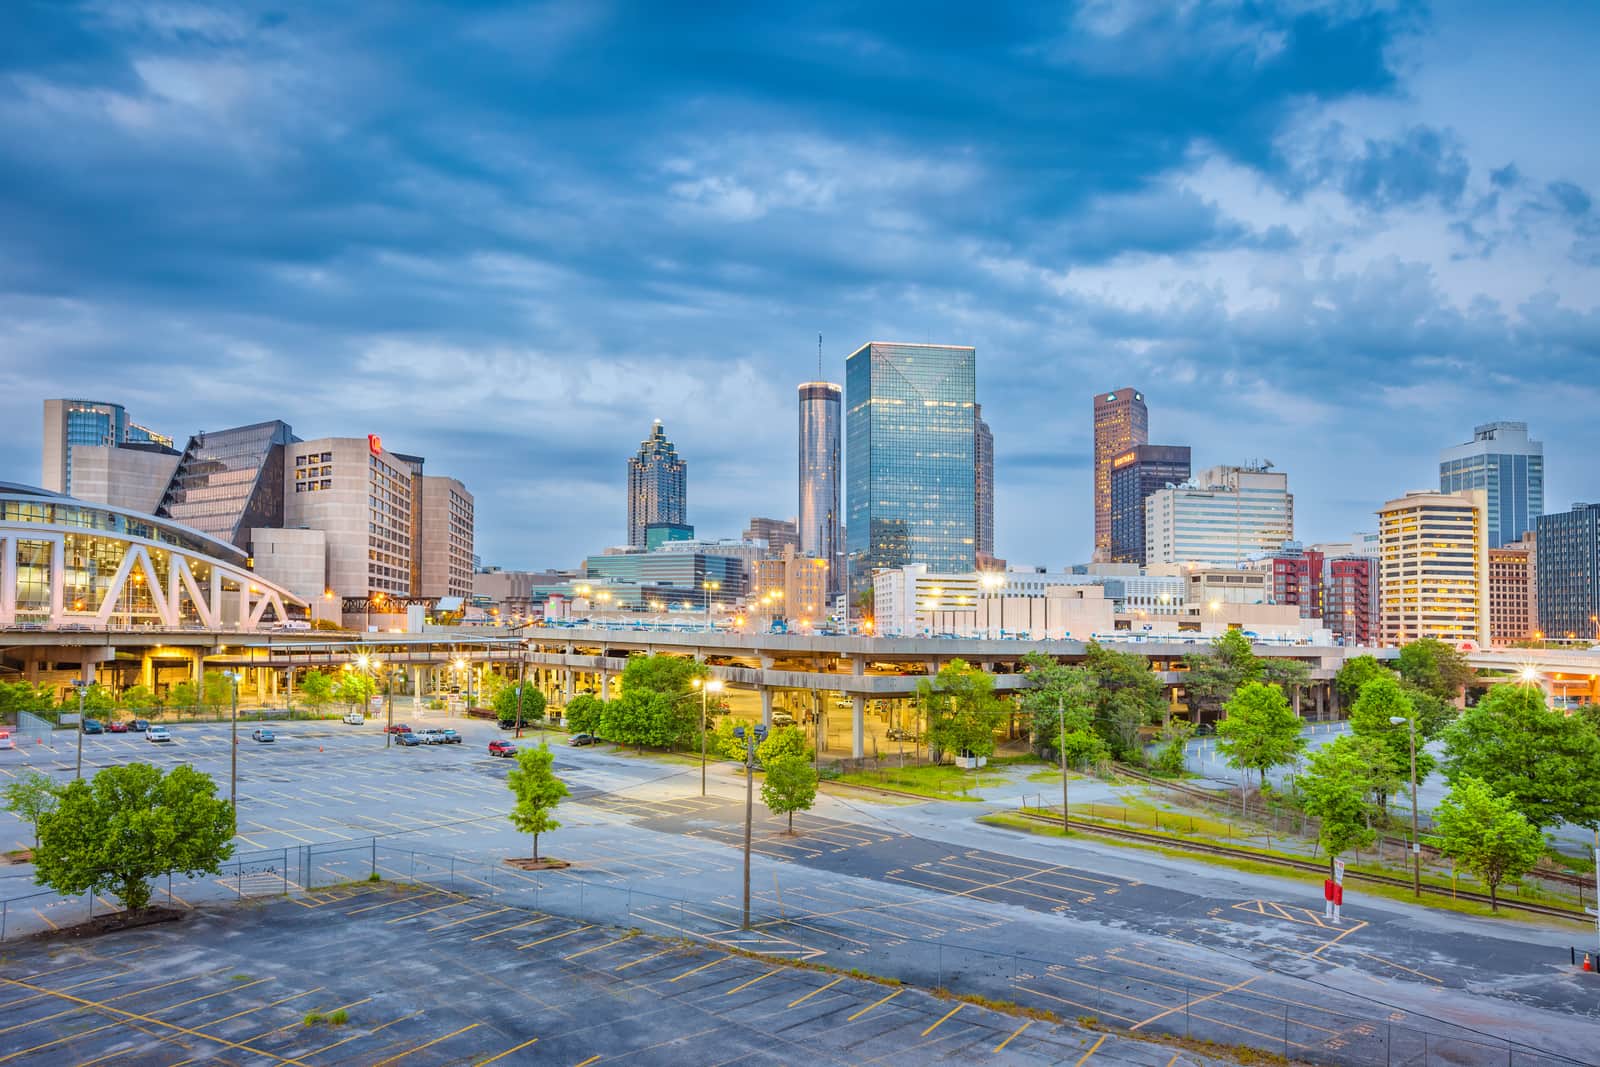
{"type": "Point", "coordinates": [502, 748]}
{"type": "Point", "coordinates": [397, 728]}
{"type": "Point", "coordinates": [117, 727]}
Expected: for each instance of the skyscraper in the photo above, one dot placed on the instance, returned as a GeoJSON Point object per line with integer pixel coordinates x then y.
{"type": "Point", "coordinates": [85, 422]}
{"type": "Point", "coordinates": [1226, 516]}
{"type": "Point", "coordinates": [909, 436]}
{"type": "Point", "coordinates": [1135, 475]}
{"type": "Point", "coordinates": [820, 475]}
{"type": "Point", "coordinates": [230, 481]}
{"type": "Point", "coordinates": [1121, 422]}
{"type": "Point", "coordinates": [1508, 467]}
{"type": "Point", "coordinates": [983, 486]}
{"type": "Point", "coordinates": [1567, 561]}
{"type": "Point", "coordinates": [1433, 577]}
{"type": "Point", "coordinates": [658, 489]}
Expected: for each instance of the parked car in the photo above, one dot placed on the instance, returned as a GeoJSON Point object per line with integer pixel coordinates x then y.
{"type": "Point", "coordinates": [782, 718]}
{"type": "Point", "coordinates": [261, 733]}
{"type": "Point", "coordinates": [5, 740]}
{"type": "Point", "coordinates": [397, 728]}
{"type": "Point", "coordinates": [93, 726]}
{"type": "Point", "coordinates": [117, 727]}
{"type": "Point", "coordinates": [139, 726]}
{"type": "Point", "coordinates": [409, 739]}
{"type": "Point", "coordinates": [429, 737]}
{"type": "Point", "coordinates": [157, 733]}
{"type": "Point", "coordinates": [502, 748]}
{"type": "Point", "coordinates": [355, 718]}
{"type": "Point", "coordinates": [898, 733]}
{"type": "Point", "coordinates": [581, 739]}
{"type": "Point", "coordinates": [448, 737]}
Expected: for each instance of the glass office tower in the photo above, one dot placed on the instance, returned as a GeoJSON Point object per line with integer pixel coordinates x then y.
{"type": "Point", "coordinates": [85, 422]}
{"type": "Point", "coordinates": [1508, 467]}
{"type": "Point", "coordinates": [1568, 564]}
{"type": "Point", "coordinates": [983, 485]}
{"type": "Point", "coordinates": [230, 481]}
{"type": "Point", "coordinates": [819, 475]}
{"type": "Point", "coordinates": [909, 443]}
{"type": "Point", "coordinates": [1136, 476]}
{"type": "Point", "coordinates": [658, 486]}
{"type": "Point", "coordinates": [1121, 422]}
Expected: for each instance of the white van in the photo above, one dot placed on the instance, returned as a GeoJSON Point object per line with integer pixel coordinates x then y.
{"type": "Point", "coordinates": [355, 718]}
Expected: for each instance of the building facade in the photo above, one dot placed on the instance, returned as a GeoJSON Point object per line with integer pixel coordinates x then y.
{"type": "Point", "coordinates": [1225, 517]}
{"type": "Point", "coordinates": [658, 485]}
{"type": "Point", "coordinates": [125, 476]}
{"type": "Point", "coordinates": [1297, 578]}
{"type": "Point", "coordinates": [982, 485]}
{"type": "Point", "coordinates": [909, 435]}
{"type": "Point", "coordinates": [793, 588]}
{"type": "Point", "coordinates": [1136, 474]}
{"type": "Point", "coordinates": [229, 482]}
{"type": "Point", "coordinates": [447, 533]}
{"type": "Point", "coordinates": [669, 581]}
{"type": "Point", "coordinates": [85, 422]}
{"type": "Point", "coordinates": [1121, 422]}
{"type": "Point", "coordinates": [359, 495]}
{"type": "Point", "coordinates": [777, 534]}
{"type": "Point", "coordinates": [1350, 599]}
{"type": "Point", "coordinates": [1568, 567]}
{"type": "Point", "coordinates": [821, 477]}
{"type": "Point", "coordinates": [1508, 467]}
{"type": "Point", "coordinates": [1513, 615]}
{"type": "Point", "coordinates": [1433, 578]}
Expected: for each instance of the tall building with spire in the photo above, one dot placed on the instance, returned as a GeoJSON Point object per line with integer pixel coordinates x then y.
{"type": "Point", "coordinates": [1121, 422]}
{"type": "Point", "coordinates": [658, 487]}
{"type": "Point", "coordinates": [820, 473]}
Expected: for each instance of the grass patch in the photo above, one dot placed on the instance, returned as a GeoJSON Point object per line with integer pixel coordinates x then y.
{"type": "Point", "coordinates": [312, 1018]}
{"type": "Point", "coordinates": [1053, 775]}
{"type": "Point", "coordinates": [1015, 761]}
{"type": "Point", "coordinates": [238, 978]}
{"type": "Point", "coordinates": [938, 782]}
{"type": "Point", "coordinates": [339, 1018]}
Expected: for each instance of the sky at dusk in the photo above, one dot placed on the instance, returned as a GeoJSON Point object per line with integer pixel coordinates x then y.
{"type": "Point", "coordinates": [507, 236]}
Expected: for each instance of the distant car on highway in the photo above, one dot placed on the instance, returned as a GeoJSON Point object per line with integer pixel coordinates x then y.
{"type": "Point", "coordinates": [409, 739]}
{"type": "Point", "coordinates": [502, 748]}
{"type": "Point", "coordinates": [157, 733]}
{"type": "Point", "coordinates": [581, 739]}
{"type": "Point", "coordinates": [355, 718]}
{"type": "Point", "coordinates": [261, 733]}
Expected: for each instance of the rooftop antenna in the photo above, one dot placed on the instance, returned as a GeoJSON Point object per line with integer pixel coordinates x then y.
{"type": "Point", "coordinates": [819, 355]}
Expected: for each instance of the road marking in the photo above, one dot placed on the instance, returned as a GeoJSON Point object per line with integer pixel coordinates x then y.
{"type": "Point", "coordinates": [429, 1044]}
{"type": "Point", "coordinates": [646, 959]}
{"type": "Point", "coordinates": [1189, 1003]}
{"type": "Point", "coordinates": [508, 929]}
{"type": "Point", "coordinates": [466, 919]}
{"type": "Point", "coordinates": [874, 1004]}
{"type": "Point", "coordinates": [1334, 941]}
{"type": "Point", "coordinates": [430, 911]}
{"type": "Point", "coordinates": [208, 996]}
{"type": "Point", "coordinates": [586, 1062]}
{"type": "Point", "coordinates": [525, 1044]}
{"type": "Point", "coordinates": [97, 1006]}
{"type": "Point", "coordinates": [1014, 1035]}
{"type": "Point", "coordinates": [704, 967]}
{"type": "Point", "coordinates": [1085, 1057]}
{"type": "Point", "coordinates": [753, 981]}
{"type": "Point", "coordinates": [942, 1020]}
{"type": "Point", "coordinates": [354, 1037]}
{"type": "Point", "coordinates": [597, 948]}
{"type": "Point", "coordinates": [555, 937]}
{"type": "Point", "coordinates": [274, 1004]}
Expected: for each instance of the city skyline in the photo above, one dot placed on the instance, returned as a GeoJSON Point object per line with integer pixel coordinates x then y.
{"type": "Point", "coordinates": [1341, 239]}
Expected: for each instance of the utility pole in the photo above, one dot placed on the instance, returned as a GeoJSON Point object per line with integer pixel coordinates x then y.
{"type": "Point", "coordinates": [388, 701]}
{"type": "Point", "coordinates": [1416, 844]}
{"type": "Point", "coordinates": [233, 783]}
{"type": "Point", "coordinates": [1061, 715]}
{"type": "Point", "coordinates": [750, 737]}
{"type": "Point", "coordinates": [79, 685]}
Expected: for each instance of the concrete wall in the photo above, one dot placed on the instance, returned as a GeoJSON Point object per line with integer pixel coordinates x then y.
{"type": "Point", "coordinates": [294, 559]}
{"type": "Point", "coordinates": [121, 477]}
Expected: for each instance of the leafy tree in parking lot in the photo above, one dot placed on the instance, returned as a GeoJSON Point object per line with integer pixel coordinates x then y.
{"type": "Point", "coordinates": [25, 696]}
{"type": "Point", "coordinates": [1435, 667]}
{"type": "Point", "coordinates": [537, 791]}
{"type": "Point", "coordinates": [356, 688]}
{"type": "Point", "coordinates": [582, 714]}
{"type": "Point", "coordinates": [790, 785]}
{"type": "Point", "coordinates": [1260, 731]}
{"type": "Point", "coordinates": [97, 700]}
{"type": "Point", "coordinates": [963, 712]}
{"type": "Point", "coordinates": [519, 704]}
{"type": "Point", "coordinates": [670, 675]}
{"type": "Point", "coordinates": [31, 798]}
{"type": "Point", "coordinates": [1335, 788]}
{"type": "Point", "coordinates": [1485, 834]}
{"type": "Point", "coordinates": [138, 698]}
{"type": "Point", "coordinates": [1357, 672]}
{"type": "Point", "coordinates": [130, 824]}
{"type": "Point", "coordinates": [1384, 698]}
{"type": "Point", "coordinates": [216, 691]}
{"type": "Point", "coordinates": [642, 717]}
{"type": "Point", "coordinates": [782, 743]}
{"type": "Point", "coordinates": [1215, 675]}
{"type": "Point", "coordinates": [183, 695]}
{"type": "Point", "coordinates": [316, 689]}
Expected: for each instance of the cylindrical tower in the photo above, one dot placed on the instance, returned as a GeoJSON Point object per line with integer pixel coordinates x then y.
{"type": "Point", "coordinates": [819, 476]}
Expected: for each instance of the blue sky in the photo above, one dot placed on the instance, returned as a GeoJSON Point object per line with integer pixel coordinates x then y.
{"type": "Point", "coordinates": [1334, 235]}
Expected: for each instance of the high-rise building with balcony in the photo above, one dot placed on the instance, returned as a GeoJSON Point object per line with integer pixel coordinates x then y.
{"type": "Point", "coordinates": [909, 437]}
{"type": "Point", "coordinates": [1135, 475]}
{"type": "Point", "coordinates": [1508, 467]}
{"type": "Point", "coordinates": [821, 474]}
{"type": "Point", "coordinates": [1513, 612]}
{"type": "Point", "coordinates": [983, 486]}
{"type": "Point", "coordinates": [1433, 560]}
{"type": "Point", "coordinates": [658, 485]}
{"type": "Point", "coordinates": [1121, 422]}
{"type": "Point", "coordinates": [1225, 517]}
{"type": "Point", "coordinates": [85, 422]}
{"type": "Point", "coordinates": [1350, 599]}
{"type": "Point", "coordinates": [1568, 566]}
{"type": "Point", "coordinates": [1297, 579]}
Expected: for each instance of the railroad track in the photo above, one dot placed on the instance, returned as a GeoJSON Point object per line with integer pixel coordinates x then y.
{"type": "Point", "coordinates": [1303, 865]}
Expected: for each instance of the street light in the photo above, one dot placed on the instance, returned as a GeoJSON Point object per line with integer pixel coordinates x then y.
{"type": "Point", "coordinates": [713, 685]}
{"type": "Point", "coordinates": [233, 774]}
{"type": "Point", "coordinates": [1416, 847]}
{"type": "Point", "coordinates": [749, 737]}
{"type": "Point", "coordinates": [80, 685]}
{"type": "Point", "coordinates": [710, 586]}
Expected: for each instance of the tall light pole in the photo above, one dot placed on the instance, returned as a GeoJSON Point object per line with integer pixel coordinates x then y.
{"type": "Point", "coordinates": [710, 586]}
{"type": "Point", "coordinates": [1416, 846]}
{"type": "Point", "coordinates": [80, 685]}
{"type": "Point", "coordinates": [233, 753]}
{"type": "Point", "coordinates": [749, 737]}
{"type": "Point", "coordinates": [1061, 716]}
{"type": "Point", "coordinates": [711, 685]}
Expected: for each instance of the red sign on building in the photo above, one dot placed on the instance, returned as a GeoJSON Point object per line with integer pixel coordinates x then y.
{"type": "Point", "coordinates": [375, 443]}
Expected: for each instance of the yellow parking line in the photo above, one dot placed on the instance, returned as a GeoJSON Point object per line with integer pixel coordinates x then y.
{"type": "Point", "coordinates": [525, 1044]}
{"type": "Point", "coordinates": [941, 1022]}
{"type": "Point", "coordinates": [430, 911]}
{"type": "Point", "coordinates": [429, 1044]}
{"type": "Point", "coordinates": [274, 1004]}
{"type": "Point", "coordinates": [814, 992]}
{"type": "Point", "coordinates": [555, 937]}
{"type": "Point", "coordinates": [703, 967]}
{"type": "Point", "coordinates": [508, 929]}
{"type": "Point", "coordinates": [1014, 1035]}
{"type": "Point", "coordinates": [208, 996]}
{"type": "Point", "coordinates": [586, 1062]}
{"type": "Point", "coordinates": [369, 1033]}
{"type": "Point", "coordinates": [1085, 1057]}
{"type": "Point", "coordinates": [874, 1004]}
{"type": "Point", "coordinates": [753, 981]}
{"type": "Point", "coordinates": [467, 919]}
{"type": "Point", "coordinates": [597, 948]}
{"type": "Point", "coordinates": [645, 959]}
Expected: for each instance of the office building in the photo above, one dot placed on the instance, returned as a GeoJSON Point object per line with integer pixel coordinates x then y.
{"type": "Point", "coordinates": [1213, 587]}
{"type": "Point", "coordinates": [658, 485]}
{"type": "Point", "coordinates": [792, 588]}
{"type": "Point", "coordinates": [1297, 578]}
{"type": "Point", "coordinates": [85, 422]}
{"type": "Point", "coordinates": [448, 525]}
{"type": "Point", "coordinates": [1508, 467]}
{"type": "Point", "coordinates": [657, 534]}
{"type": "Point", "coordinates": [1136, 474]}
{"type": "Point", "coordinates": [132, 476]}
{"type": "Point", "coordinates": [1567, 558]}
{"type": "Point", "coordinates": [1513, 615]}
{"type": "Point", "coordinates": [1350, 599]}
{"type": "Point", "coordinates": [1121, 422]}
{"type": "Point", "coordinates": [1433, 576]}
{"type": "Point", "coordinates": [909, 437]}
{"type": "Point", "coordinates": [776, 534]}
{"type": "Point", "coordinates": [821, 477]}
{"type": "Point", "coordinates": [983, 487]}
{"type": "Point", "coordinates": [1224, 517]}
{"type": "Point", "coordinates": [229, 482]}
{"type": "Point", "coordinates": [668, 581]}
{"type": "Point", "coordinates": [512, 596]}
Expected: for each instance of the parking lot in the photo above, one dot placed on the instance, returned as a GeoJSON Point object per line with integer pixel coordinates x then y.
{"type": "Point", "coordinates": [431, 978]}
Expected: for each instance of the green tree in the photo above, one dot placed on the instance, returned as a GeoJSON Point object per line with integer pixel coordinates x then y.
{"type": "Point", "coordinates": [1435, 667]}
{"type": "Point", "coordinates": [184, 695]}
{"type": "Point", "coordinates": [216, 691]}
{"type": "Point", "coordinates": [963, 712]}
{"type": "Point", "coordinates": [1059, 699]}
{"type": "Point", "coordinates": [1383, 698]}
{"type": "Point", "coordinates": [670, 675]}
{"type": "Point", "coordinates": [25, 696]}
{"type": "Point", "coordinates": [790, 785]}
{"type": "Point", "coordinates": [1215, 676]}
{"type": "Point", "coordinates": [1357, 672]}
{"type": "Point", "coordinates": [1127, 693]}
{"type": "Point", "coordinates": [97, 700]}
{"type": "Point", "coordinates": [317, 689]}
{"type": "Point", "coordinates": [1260, 732]}
{"type": "Point", "coordinates": [1434, 713]}
{"type": "Point", "coordinates": [582, 714]}
{"type": "Point", "coordinates": [355, 689]}
{"type": "Point", "coordinates": [519, 705]}
{"type": "Point", "coordinates": [782, 743]}
{"type": "Point", "coordinates": [1541, 760]}
{"type": "Point", "coordinates": [1485, 834]}
{"type": "Point", "coordinates": [30, 798]}
{"type": "Point", "coordinates": [1335, 789]}
{"type": "Point", "coordinates": [537, 791]}
{"type": "Point", "coordinates": [1171, 757]}
{"type": "Point", "coordinates": [1290, 675]}
{"type": "Point", "coordinates": [130, 824]}
{"type": "Point", "coordinates": [648, 717]}
{"type": "Point", "coordinates": [1084, 748]}
{"type": "Point", "coordinates": [138, 698]}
